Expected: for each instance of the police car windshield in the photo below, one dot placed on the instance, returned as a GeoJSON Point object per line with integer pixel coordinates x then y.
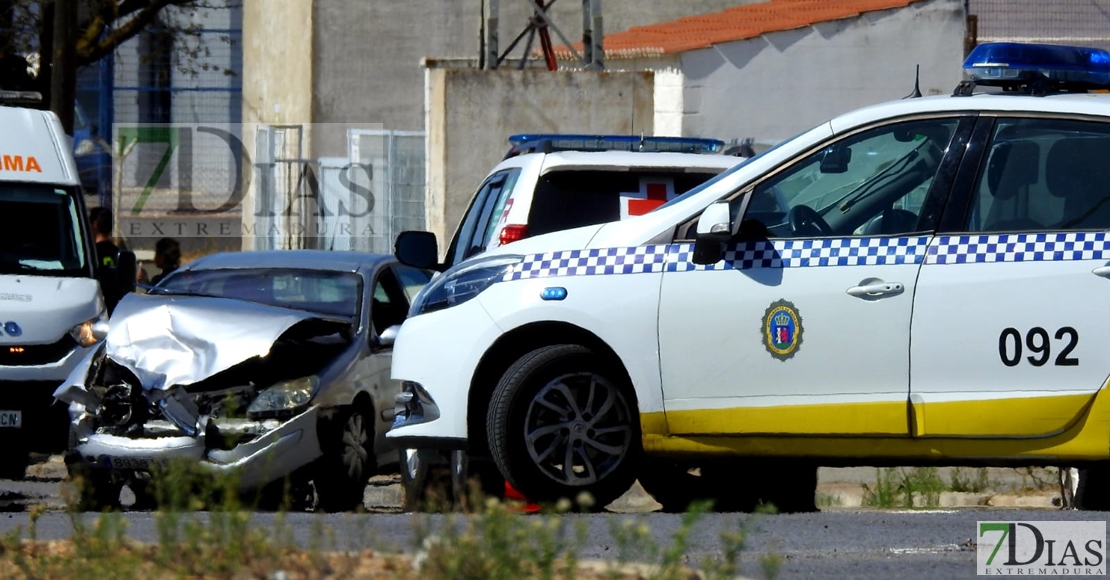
{"type": "Point", "coordinates": [725, 173]}
{"type": "Point", "coordinates": [41, 234]}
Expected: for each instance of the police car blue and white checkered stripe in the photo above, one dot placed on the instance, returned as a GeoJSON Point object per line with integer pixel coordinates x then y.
{"type": "Point", "coordinates": [746, 255]}
{"type": "Point", "coordinates": [810, 253]}
{"type": "Point", "coordinates": [1039, 247]}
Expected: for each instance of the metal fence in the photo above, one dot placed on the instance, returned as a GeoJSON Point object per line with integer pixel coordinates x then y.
{"type": "Point", "coordinates": [1078, 22]}
{"type": "Point", "coordinates": [359, 202]}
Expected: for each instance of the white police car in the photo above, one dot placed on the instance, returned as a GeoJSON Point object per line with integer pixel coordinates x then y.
{"type": "Point", "coordinates": [923, 281]}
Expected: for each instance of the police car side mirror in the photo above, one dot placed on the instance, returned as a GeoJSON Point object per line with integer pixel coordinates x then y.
{"type": "Point", "coordinates": [388, 336]}
{"type": "Point", "coordinates": [714, 228]}
{"type": "Point", "coordinates": [417, 249]}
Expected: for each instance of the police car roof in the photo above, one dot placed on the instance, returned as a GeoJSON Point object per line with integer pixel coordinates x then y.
{"type": "Point", "coordinates": [1064, 103]}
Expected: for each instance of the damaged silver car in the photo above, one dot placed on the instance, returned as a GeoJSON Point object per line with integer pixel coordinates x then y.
{"type": "Point", "coordinates": [260, 365]}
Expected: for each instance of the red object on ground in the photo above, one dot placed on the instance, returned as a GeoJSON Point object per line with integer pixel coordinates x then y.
{"type": "Point", "coordinates": [512, 494]}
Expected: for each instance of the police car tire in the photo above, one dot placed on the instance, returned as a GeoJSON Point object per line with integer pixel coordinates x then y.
{"type": "Point", "coordinates": [506, 419]}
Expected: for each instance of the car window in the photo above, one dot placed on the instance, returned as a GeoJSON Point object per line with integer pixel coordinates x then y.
{"type": "Point", "coordinates": [321, 291]}
{"type": "Point", "coordinates": [388, 304]}
{"type": "Point", "coordinates": [412, 279]}
{"type": "Point", "coordinates": [872, 183]}
{"type": "Point", "coordinates": [1043, 174]}
{"type": "Point", "coordinates": [575, 197]}
{"type": "Point", "coordinates": [499, 210]}
{"type": "Point", "coordinates": [468, 240]}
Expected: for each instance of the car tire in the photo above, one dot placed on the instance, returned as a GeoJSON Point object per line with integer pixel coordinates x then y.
{"type": "Point", "coordinates": [434, 481]}
{"type": "Point", "coordinates": [348, 461]}
{"type": "Point", "coordinates": [672, 486]}
{"type": "Point", "coordinates": [565, 425]}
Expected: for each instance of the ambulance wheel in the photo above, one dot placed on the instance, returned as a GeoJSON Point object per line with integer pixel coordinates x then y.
{"type": "Point", "coordinates": [580, 423]}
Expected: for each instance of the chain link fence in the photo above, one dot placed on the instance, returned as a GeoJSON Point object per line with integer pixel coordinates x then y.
{"type": "Point", "coordinates": [1075, 22]}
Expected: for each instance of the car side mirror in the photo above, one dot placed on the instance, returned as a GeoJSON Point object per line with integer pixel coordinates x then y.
{"type": "Point", "coordinates": [836, 159]}
{"type": "Point", "coordinates": [417, 249]}
{"type": "Point", "coordinates": [714, 228]}
{"type": "Point", "coordinates": [388, 336]}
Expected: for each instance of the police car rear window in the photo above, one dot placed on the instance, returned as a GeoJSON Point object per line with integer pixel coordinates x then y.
{"type": "Point", "coordinates": [571, 199]}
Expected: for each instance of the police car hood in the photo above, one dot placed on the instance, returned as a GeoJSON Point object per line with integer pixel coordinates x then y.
{"type": "Point", "coordinates": [179, 340]}
{"type": "Point", "coordinates": [42, 309]}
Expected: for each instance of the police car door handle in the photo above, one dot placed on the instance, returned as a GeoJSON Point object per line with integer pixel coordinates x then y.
{"type": "Point", "coordinates": [1103, 271]}
{"type": "Point", "coordinates": [876, 289]}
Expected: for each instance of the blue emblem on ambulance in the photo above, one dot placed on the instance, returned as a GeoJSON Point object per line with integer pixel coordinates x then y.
{"type": "Point", "coordinates": [782, 329]}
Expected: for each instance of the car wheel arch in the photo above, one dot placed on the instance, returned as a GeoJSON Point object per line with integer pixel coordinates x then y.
{"type": "Point", "coordinates": [506, 350]}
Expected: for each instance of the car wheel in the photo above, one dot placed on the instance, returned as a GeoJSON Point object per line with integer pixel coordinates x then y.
{"type": "Point", "coordinates": [672, 485]}
{"type": "Point", "coordinates": [434, 481]}
{"type": "Point", "coordinates": [348, 462]}
{"type": "Point", "coordinates": [562, 421]}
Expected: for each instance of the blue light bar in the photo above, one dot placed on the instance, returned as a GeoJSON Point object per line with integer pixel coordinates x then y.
{"type": "Point", "coordinates": [572, 142]}
{"type": "Point", "coordinates": [1012, 63]}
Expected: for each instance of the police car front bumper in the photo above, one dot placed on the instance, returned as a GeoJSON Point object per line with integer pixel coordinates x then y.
{"type": "Point", "coordinates": [435, 357]}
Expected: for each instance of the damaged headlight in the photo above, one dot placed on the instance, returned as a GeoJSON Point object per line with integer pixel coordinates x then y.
{"type": "Point", "coordinates": [90, 331]}
{"type": "Point", "coordinates": [462, 283]}
{"type": "Point", "coordinates": [284, 397]}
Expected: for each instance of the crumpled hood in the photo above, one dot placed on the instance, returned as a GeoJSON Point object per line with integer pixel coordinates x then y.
{"type": "Point", "coordinates": [179, 340]}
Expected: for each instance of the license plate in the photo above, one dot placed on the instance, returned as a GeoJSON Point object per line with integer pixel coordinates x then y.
{"type": "Point", "coordinates": [11, 419]}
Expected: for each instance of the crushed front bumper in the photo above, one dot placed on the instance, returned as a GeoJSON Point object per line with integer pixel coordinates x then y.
{"type": "Point", "coordinates": [278, 449]}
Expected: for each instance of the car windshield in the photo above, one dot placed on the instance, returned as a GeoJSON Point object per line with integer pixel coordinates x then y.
{"type": "Point", "coordinates": [42, 232]}
{"type": "Point", "coordinates": [319, 291]}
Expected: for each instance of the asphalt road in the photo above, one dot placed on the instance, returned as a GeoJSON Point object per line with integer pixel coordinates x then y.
{"type": "Point", "coordinates": [836, 543]}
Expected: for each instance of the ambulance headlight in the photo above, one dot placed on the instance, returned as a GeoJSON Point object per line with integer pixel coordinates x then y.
{"type": "Point", "coordinates": [462, 283]}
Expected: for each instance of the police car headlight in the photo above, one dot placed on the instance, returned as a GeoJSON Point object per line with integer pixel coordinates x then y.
{"type": "Point", "coordinates": [462, 283]}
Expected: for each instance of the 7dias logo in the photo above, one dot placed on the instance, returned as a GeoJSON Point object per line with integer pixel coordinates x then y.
{"type": "Point", "coordinates": [1041, 549]}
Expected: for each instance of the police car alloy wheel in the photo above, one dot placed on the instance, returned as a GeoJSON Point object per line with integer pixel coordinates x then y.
{"type": "Point", "coordinates": [562, 422]}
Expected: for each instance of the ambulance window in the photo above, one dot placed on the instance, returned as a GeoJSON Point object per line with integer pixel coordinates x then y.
{"type": "Point", "coordinates": [42, 234]}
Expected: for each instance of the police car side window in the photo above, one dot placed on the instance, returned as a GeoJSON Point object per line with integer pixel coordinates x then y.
{"type": "Point", "coordinates": [872, 183]}
{"type": "Point", "coordinates": [1043, 175]}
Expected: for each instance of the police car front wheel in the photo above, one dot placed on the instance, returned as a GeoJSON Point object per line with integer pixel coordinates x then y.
{"type": "Point", "coordinates": [580, 424]}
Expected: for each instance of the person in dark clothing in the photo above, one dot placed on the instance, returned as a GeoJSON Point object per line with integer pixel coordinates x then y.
{"type": "Point", "coordinates": [107, 253]}
{"type": "Point", "coordinates": [167, 256]}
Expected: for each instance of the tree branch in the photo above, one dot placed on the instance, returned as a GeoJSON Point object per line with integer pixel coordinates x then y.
{"type": "Point", "coordinates": [91, 48]}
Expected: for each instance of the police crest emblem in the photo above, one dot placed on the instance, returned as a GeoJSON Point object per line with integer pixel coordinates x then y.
{"type": "Point", "coordinates": [782, 329]}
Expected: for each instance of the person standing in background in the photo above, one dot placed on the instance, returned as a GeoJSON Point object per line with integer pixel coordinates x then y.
{"type": "Point", "coordinates": [167, 256]}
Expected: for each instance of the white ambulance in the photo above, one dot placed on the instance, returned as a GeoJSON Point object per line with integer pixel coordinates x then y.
{"type": "Point", "coordinates": [52, 309]}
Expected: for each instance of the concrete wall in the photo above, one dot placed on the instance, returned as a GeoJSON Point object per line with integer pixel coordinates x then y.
{"type": "Point", "coordinates": [368, 53]}
{"type": "Point", "coordinates": [277, 78]}
{"type": "Point", "coordinates": [471, 113]}
{"type": "Point", "coordinates": [778, 85]}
